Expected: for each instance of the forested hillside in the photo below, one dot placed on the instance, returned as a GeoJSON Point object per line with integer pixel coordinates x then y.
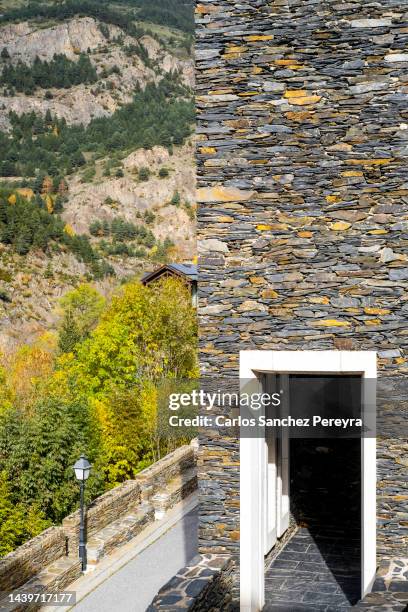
{"type": "Point", "coordinates": [56, 401]}
{"type": "Point", "coordinates": [124, 13]}
{"type": "Point", "coordinates": [96, 187]}
{"type": "Point", "coordinates": [96, 121]}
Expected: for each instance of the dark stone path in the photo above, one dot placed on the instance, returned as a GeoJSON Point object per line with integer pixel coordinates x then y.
{"type": "Point", "coordinates": [320, 573]}
{"type": "Point", "coordinates": [319, 569]}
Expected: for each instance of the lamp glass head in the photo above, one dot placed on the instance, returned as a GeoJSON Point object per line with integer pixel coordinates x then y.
{"type": "Point", "coordinates": [82, 468]}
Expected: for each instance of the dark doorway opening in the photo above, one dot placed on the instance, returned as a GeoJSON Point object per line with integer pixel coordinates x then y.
{"type": "Point", "coordinates": [320, 566]}
{"type": "Point", "coordinates": [326, 504]}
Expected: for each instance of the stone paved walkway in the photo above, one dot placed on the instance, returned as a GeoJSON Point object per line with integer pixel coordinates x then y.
{"type": "Point", "coordinates": [320, 573]}
{"type": "Point", "coordinates": [319, 569]}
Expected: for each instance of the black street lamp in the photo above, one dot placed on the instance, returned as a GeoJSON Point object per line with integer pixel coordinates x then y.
{"type": "Point", "coordinates": [82, 469]}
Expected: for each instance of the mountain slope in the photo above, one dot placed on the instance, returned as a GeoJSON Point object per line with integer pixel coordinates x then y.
{"type": "Point", "coordinates": [109, 153]}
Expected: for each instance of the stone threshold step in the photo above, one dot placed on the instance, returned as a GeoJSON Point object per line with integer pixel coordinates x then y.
{"type": "Point", "coordinates": [54, 577]}
{"type": "Point", "coordinates": [176, 490]}
{"type": "Point", "coordinates": [118, 533]}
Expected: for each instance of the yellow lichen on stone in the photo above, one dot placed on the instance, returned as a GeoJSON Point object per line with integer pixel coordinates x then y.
{"type": "Point", "coordinates": [305, 100]}
{"type": "Point", "coordinates": [319, 300]}
{"type": "Point", "coordinates": [333, 323]}
{"type": "Point", "coordinates": [223, 194]}
{"type": "Point", "coordinates": [340, 226]}
{"type": "Point", "coordinates": [376, 311]}
{"type": "Point", "coordinates": [256, 37]}
{"type": "Point", "coordinates": [220, 92]}
{"type": "Point", "coordinates": [224, 219]}
{"type": "Point", "coordinates": [236, 49]}
{"type": "Point", "coordinates": [256, 70]}
{"type": "Point", "coordinates": [299, 116]}
{"type": "Point", "coordinates": [372, 322]}
{"type": "Point", "coordinates": [352, 173]}
{"type": "Point", "coordinates": [370, 162]}
{"type": "Point", "coordinates": [208, 150]}
{"type": "Point", "coordinates": [378, 232]}
{"type": "Point", "coordinates": [206, 8]}
{"type": "Point", "coordinates": [296, 220]}
{"type": "Point", "coordinates": [333, 199]}
{"type": "Point", "coordinates": [263, 227]}
{"type": "Point", "coordinates": [305, 234]}
{"type": "Point", "coordinates": [295, 93]}
{"type": "Point", "coordinates": [285, 62]}
{"type": "Point", "coordinates": [269, 294]}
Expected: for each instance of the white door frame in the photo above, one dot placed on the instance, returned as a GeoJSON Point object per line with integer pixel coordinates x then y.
{"type": "Point", "coordinates": [252, 462]}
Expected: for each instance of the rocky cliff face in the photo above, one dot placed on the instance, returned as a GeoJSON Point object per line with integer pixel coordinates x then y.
{"type": "Point", "coordinates": [35, 282]}
{"type": "Point", "coordinates": [24, 42]}
{"type": "Point", "coordinates": [128, 197]}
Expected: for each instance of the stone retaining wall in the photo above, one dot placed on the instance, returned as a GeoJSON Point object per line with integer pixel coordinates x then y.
{"type": "Point", "coordinates": [155, 477]}
{"type": "Point", "coordinates": [55, 543]}
{"type": "Point", "coordinates": [27, 560]}
{"type": "Point", "coordinates": [204, 585]}
{"type": "Point", "coordinates": [102, 511]}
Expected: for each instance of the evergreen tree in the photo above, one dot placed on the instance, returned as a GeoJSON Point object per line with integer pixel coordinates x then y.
{"type": "Point", "coordinates": [69, 334]}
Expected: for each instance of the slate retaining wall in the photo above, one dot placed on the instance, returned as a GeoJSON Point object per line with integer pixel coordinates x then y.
{"type": "Point", "coordinates": [204, 585]}
{"type": "Point", "coordinates": [102, 511]}
{"type": "Point", "coordinates": [27, 560]}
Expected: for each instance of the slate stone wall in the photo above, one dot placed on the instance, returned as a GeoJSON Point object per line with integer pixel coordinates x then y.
{"type": "Point", "coordinates": [108, 507]}
{"type": "Point", "coordinates": [30, 558]}
{"type": "Point", "coordinates": [302, 154]}
{"type": "Point", "coordinates": [204, 585]}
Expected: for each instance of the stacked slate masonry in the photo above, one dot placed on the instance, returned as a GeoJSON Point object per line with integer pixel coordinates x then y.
{"type": "Point", "coordinates": [302, 156]}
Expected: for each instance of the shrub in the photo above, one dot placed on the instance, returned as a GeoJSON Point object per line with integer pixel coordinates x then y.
{"type": "Point", "coordinates": [149, 217]}
{"type": "Point", "coordinates": [144, 174]}
{"type": "Point", "coordinates": [176, 199]}
{"type": "Point", "coordinates": [4, 296]}
{"type": "Point", "coordinates": [5, 276]}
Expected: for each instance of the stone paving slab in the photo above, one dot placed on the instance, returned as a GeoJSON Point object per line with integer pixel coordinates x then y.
{"type": "Point", "coordinates": [313, 574]}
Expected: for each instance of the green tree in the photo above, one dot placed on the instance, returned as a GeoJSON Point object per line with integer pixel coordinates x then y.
{"type": "Point", "coordinates": [81, 309]}
{"type": "Point", "coordinates": [176, 199]}
{"type": "Point", "coordinates": [69, 334]}
{"type": "Point", "coordinates": [37, 452]}
{"type": "Point", "coordinates": [145, 332]}
{"type": "Point", "coordinates": [17, 523]}
{"type": "Point", "coordinates": [144, 174]}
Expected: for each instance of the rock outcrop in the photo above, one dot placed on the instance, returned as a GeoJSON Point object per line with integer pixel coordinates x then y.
{"type": "Point", "coordinates": [80, 104]}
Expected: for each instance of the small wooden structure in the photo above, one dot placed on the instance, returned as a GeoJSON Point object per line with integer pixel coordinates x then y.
{"type": "Point", "coordinates": [187, 272]}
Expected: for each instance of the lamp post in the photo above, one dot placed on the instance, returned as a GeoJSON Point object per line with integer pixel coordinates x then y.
{"type": "Point", "coordinates": [82, 469]}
